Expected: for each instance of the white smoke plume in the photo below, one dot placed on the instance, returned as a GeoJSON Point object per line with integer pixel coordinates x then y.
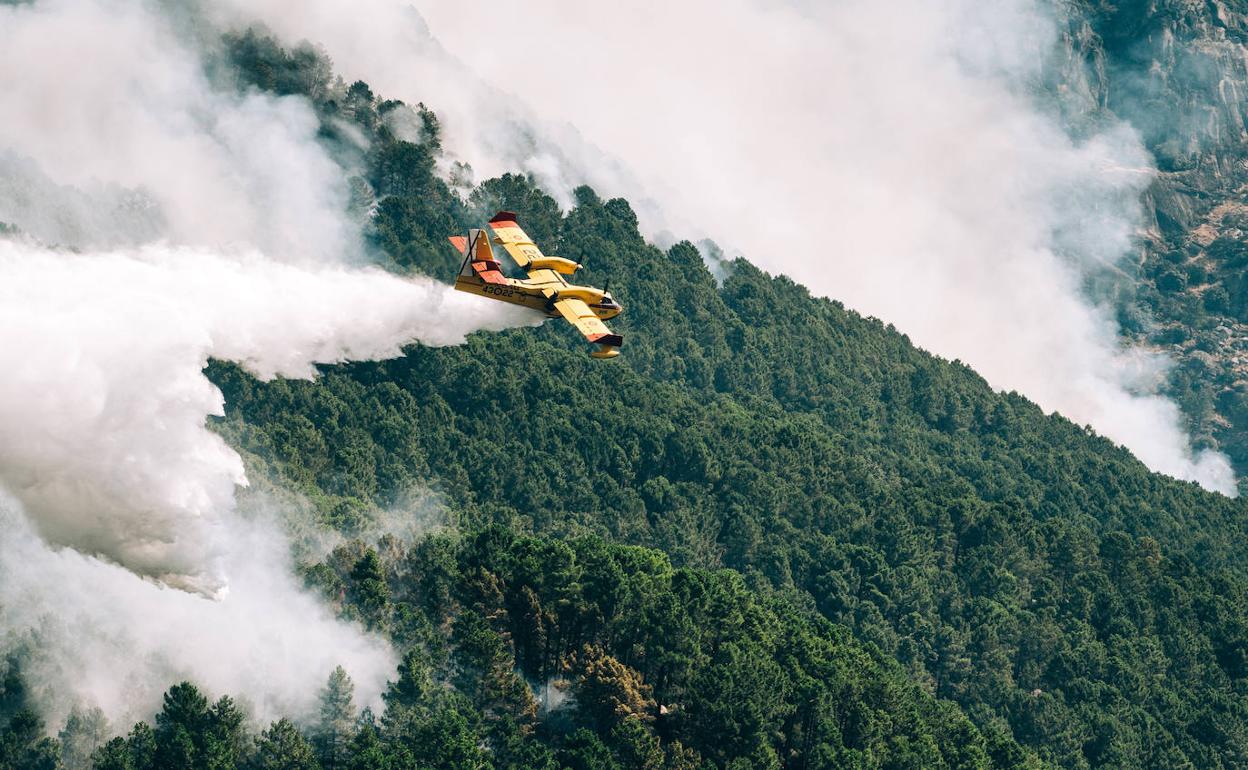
{"type": "Point", "coordinates": [891, 155]}
{"type": "Point", "coordinates": [102, 409]}
{"type": "Point", "coordinates": [168, 221]}
{"type": "Point", "coordinates": [94, 632]}
{"type": "Point", "coordinates": [105, 95]}
{"type": "Point", "coordinates": [103, 446]}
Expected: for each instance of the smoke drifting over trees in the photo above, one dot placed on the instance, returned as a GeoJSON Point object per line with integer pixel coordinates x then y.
{"type": "Point", "coordinates": [164, 220]}
{"type": "Point", "coordinates": [900, 158]}
{"type": "Point", "coordinates": [814, 481]}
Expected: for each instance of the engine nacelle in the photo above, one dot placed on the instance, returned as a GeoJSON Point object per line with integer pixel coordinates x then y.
{"type": "Point", "coordinates": [587, 294]}
{"type": "Point", "coordinates": [558, 264]}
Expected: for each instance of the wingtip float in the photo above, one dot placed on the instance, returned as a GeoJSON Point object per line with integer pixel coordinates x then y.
{"type": "Point", "coordinates": [544, 289]}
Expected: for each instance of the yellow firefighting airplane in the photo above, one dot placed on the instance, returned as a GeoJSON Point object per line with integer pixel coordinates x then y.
{"type": "Point", "coordinates": [544, 289]}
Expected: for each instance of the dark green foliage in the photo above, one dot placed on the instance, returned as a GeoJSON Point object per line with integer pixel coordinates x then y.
{"type": "Point", "coordinates": [665, 665]}
{"type": "Point", "coordinates": [23, 745]}
{"type": "Point", "coordinates": [12, 688]}
{"type": "Point", "coordinates": [337, 723]}
{"type": "Point", "coordinates": [1171, 280]}
{"type": "Point", "coordinates": [855, 527]}
{"type": "Point", "coordinates": [283, 747]}
{"type": "Point", "coordinates": [442, 739]}
{"type": "Point", "coordinates": [413, 687]}
{"type": "Point", "coordinates": [367, 589]}
{"type": "Point", "coordinates": [141, 744]}
{"type": "Point", "coordinates": [259, 61]}
{"type": "Point", "coordinates": [584, 750]}
{"type": "Point", "coordinates": [226, 745]}
{"type": "Point", "coordinates": [754, 427]}
{"type": "Point", "coordinates": [113, 755]}
{"type": "Point", "coordinates": [667, 668]}
{"type": "Point", "coordinates": [189, 733]}
{"type": "Point", "coordinates": [181, 728]}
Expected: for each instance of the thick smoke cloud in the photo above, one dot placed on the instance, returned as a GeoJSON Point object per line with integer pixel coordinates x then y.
{"type": "Point", "coordinates": [88, 631]}
{"type": "Point", "coordinates": [165, 221]}
{"type": "Point", "coordinates": [104, 448]}
{"type": "Point", "coordinates": [104, 354]}
{"type": "Point", "coordinates": [895, 156]}
{"type": "Point", "coordinates": [106, 94]}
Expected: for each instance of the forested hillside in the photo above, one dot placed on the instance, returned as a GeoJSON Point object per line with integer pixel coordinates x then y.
{"type": "Point", "coordinates": [771, 534]}
{"type": "Point", "coordinates": [551, 653]}
{"type": "Point", "coordinates": [1011, 562]}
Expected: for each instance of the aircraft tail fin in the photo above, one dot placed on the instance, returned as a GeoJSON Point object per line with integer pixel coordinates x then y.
{"type": "Point", "coordinates": [481, 250]}
{"type": "Point", "coordinates": [475, 249]}
{"type": "Point", "coordinates": [479, 264]}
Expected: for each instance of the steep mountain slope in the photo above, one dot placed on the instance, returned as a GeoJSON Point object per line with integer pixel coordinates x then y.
{"type": "Point", "coordinates": [1008, 559]}
{"type": "Point", "coordinates": [658, 666]}
{"type": "Point", "coordinates": [1012, 562]}
{"type": "Point", "coordinates": [773, 533]}
{"type": "Point", "coordinates": [634, 663]}
{"type": "Point", "coordinates": [1176, 71]}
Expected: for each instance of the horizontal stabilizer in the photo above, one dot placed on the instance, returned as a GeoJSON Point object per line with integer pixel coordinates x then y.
{"type": "Point", "coordinates": [489, 272]}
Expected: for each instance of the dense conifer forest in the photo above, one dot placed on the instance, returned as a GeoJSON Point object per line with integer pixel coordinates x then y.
{"type": "Point", "coordinates": [772, 534]}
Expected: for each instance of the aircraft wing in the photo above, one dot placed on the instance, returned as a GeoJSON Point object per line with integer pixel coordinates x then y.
{"type": "Point", "coordinates": [517, 242]}
{"type": "Point", "coordinates": [580, 316]}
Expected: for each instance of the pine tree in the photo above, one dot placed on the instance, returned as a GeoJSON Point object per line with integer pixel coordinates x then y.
{"type": "Point", "coordinates": [367, 750]}
{"type": "Point", "coordinates": [336, 728]}
{"type": "Point", "coordinates": [283, 747]}
{"type": "Point", "coordinates": [413, 686]}
{"type": "Point", "coordinates": [180, 727]}
{"type": "Point", "coordinates": [22, 747]}
{"type": "Point", "coordinates": [368, 590]}
{"type": "Point", "coordinates": [225, 742]}
{"type": "Point", "coordinates": [610, 691]}
{"type": "Point", "coordinates": [85, 731]}
{"type": "Point", "coordinates": [142, 746]}
{"type": "Point", "coordinates": [114, 755]}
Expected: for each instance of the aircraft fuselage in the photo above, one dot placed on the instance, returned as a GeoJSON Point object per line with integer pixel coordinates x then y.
{"type": "Point", "coordinates": [532, 294]}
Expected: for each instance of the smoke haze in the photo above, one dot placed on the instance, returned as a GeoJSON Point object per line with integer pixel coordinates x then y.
{"type": "Point", "coordinates": [166, 221]}
{"type": "Point", "coordinates": [106, 96]}
{"type": "Point", "coordinates": [90, 631]}
{"type": "Point", "coordinates": [894, 157]}
{"type": "Point", "coordinates": [104, 354]}
{"type": "Point", "coordinates": [898, 157]}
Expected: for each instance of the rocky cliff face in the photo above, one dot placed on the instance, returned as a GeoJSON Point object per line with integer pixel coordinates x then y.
{"type": "Point", "coordinates": [1177, 70]}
